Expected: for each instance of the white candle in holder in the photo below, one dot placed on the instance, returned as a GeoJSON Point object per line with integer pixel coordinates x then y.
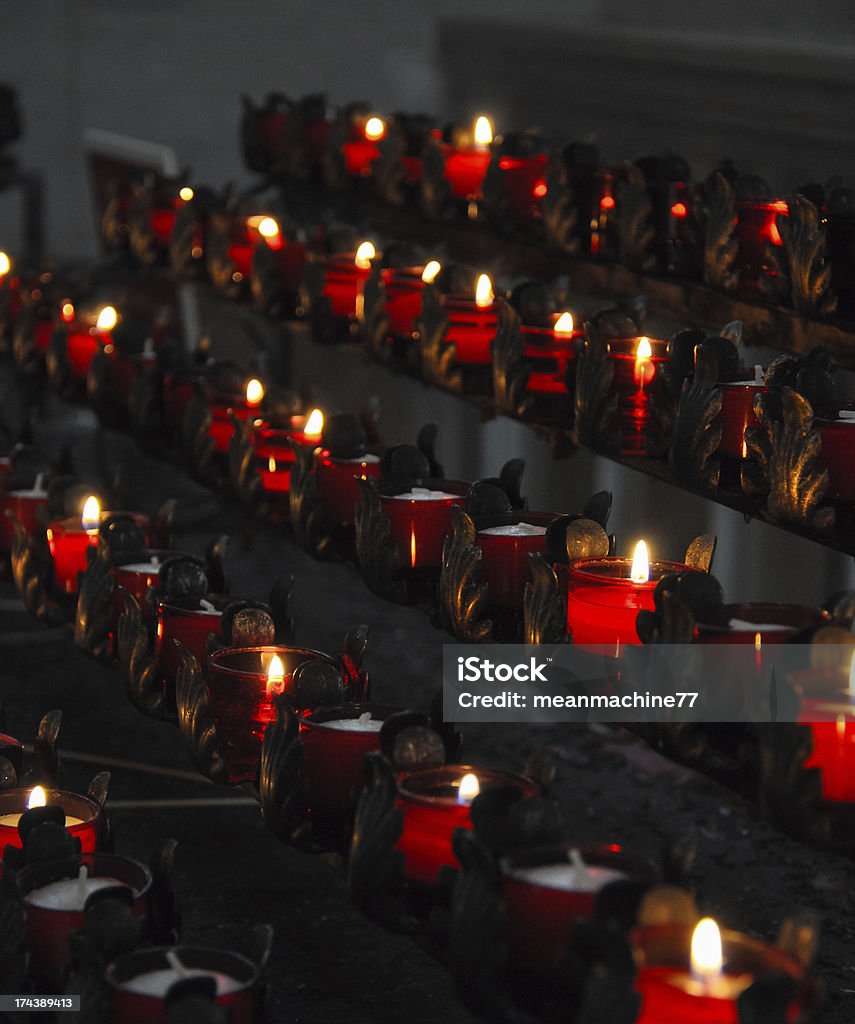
{"type": "Point", "coordinates": [573, 875]}
{"type": "Point", "coordinates": [158, 982]}
{"type": "Point", "coordinates": [515, 530]}
{"type": "Point", "coordinates": [424, 494]}
{"type": "Point", "coordinates": [69, 894]}
{"type": "Point", "coordinates": [365, 723]}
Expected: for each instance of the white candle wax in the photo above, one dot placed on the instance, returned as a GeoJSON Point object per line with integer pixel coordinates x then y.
{"type": "Point", "coordinates": [758, 627]}
{"type": "Point", "coordinates": [515, 530]}
{"type": "Point", "coordinates": [158, 983]}
{"type": "Point", "coordinates": [568, 877]}
{"type": "Point", "coordinates": [11, 820]}
{"type": "Point", "coordinates": [68, 893]}
{"type": "Point", "coordinates": [365, 723]}
{"type": "Point", "coordinates": [424, 494]}
{"type": "Point", "coordinates": [142, 567]}
{"type": "Point", "coordinates": [34, 494]}
{"type": "Point", "coordinates": [362, 459]}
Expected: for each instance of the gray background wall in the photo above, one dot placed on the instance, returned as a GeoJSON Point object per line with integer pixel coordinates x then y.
{"type": "Point", "coordinates": [764, 82]}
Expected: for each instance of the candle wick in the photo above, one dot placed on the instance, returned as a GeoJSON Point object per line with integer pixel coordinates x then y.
{"type": "Point", "coordinates": [578, 861]}
{"type": "Point", "coordinates": [365, 718]}
{"type": "Point", "coordinates": [176, 963]}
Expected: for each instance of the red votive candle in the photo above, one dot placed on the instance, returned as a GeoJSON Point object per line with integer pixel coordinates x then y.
{"type": "Point", "coordinates": [548, 889]}
{"type": "Point", "coordinates": [223, 407]}
{"type": "Point", "coordinates": [335, 742]}
{"type": "Point", "coordinates": [837, 433]}
{"type": "Point", "coordinates": [190, 620]}
{"type": "Point", "coordinates": [737, 413]}
{"type": "Point", "coordinates": [465, 167]}
{"type": "Point", "coordinates": [603, 598]}
{"type": "Point", "coordinates": [743, 623]}
{"type": "Point", "coordinates": [828, 707]}
{"type": "Point", "coordinates": [472, 324]}
{"type": "Point", "coordinates": [636, 362]}
{"type": "Point", "coordinates": [550, 352]}
{"type": "Point", "coordinates": [274, 452]}
{"type": "Point", "coordinates": [24, 506]}
{"type": "Point", "coordinates": [435, 802]}
{"type": "Point", "coordinates": [506, 542]}
{"type": "Point", "coordinates": [756, 228]}
{"type": "Point", "coordinates": [82, 815]}
{"type": "Point", "coordinates": [242, 682]}
{"type": "Point", "coordinates": [344, 278]}
{"type": "Point", "coordinates": [336, 484]}
{"type": "Point", "coordinates": [673, 992]}
{"type": "Point", "coordinates": [421, 518]}
{"type": "Point", "coordinates": [140, 982]}
{"type": "Point", "coordinates": [404, 286]}
{"type": "Point", "coordinates": [55, 896]}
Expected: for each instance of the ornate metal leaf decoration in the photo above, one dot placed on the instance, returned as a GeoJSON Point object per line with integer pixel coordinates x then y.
{"type": "Point", "coordinates": [137, 666]}
{"type": "Point", "coordinates": [557, 208]}
{"type": "Point", "coordinates": [188, 220]}
{"type": "Point", "coordinates": [634, 227]}
{"type": "Point", "coordinates": [333, 163]}
{"type": "Point", "coordinates": [434, 189]}
{"type": "Point", "coordinates": [783, 462]}
{"type": "Point", "coordinates": [375, 868]}
{"type": "Point", "coordinates": [32, 571]}
{"type": "Point", "coordinates": [140, 234]}
{"type": "Point", "coordinates": [438, 359]}
{"type": "Point", "coordinates": [701, 551]}
{"type": "Point", "coordinates": [307, 514]}
{"type": "Point", "coordinates": [93, 618]}
{"type": "Point", "coordinates": [197, 442]}
{"type": "Point", "coordinates": [596, 422]}
{"type": "Point", "coordinates": [461, 592]}
{"type": "Point", "coordinates": [544, 605]}
{"type": "Point", "coordinates": [510, 372]}
{"type": "Point", "coordinates": [243, 468]}
{"type": "Point", "coordinates": [586, 538]}
{"type": "Point", "coordinates": [697, 435]}
{"type": "Point", "coordinates": [45, 746]}
{"type": "Point", "coordinates": [718, 215]}
{"type": "Point", "coordinates": [379, 559]}
{"type": "Point", "coordinates": [163, 522]}
{"type": "Point", "coordinates": [788, 792]}
{"type": "Point", "coordinates": [164, 919]}
{"type": "Point", "coordinates": [198, 728]}
{"type": "Point", "coordinates": [374, 323]}
{"type": "Point", "coordinates": [800, 265]}
{"type": "Point", "coordinates": [354, 673]}
{"type": "Point", "coordinates": [388, 168]}
{"type": "Point", "coordinates": [497, 199]}
{"type": "Point", "coordinates": [282, 786]}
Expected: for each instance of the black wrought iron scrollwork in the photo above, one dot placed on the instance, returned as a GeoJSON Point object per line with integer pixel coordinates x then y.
{"type": "Point", "coordinates": [497, 197]}
{"type": "Point", "coordinates": [544, 605]}
{"type": "Point", "coordinates": [137, 665]}
{"type": "Point", "coordinates": [282, 786]}
{"type": "Point", "coordinates": [374, 322]}
{"type": "Point", "coordinates": [32, 571]}
{"type": "Point", "coordinates": [596, 424]}
{"type": "Point", "coordinates": [379, 559]}
{"type": "Point", "coordinates": [197, 725]}
{"type": "Point", "coordinates": [717, 213]}
{"type": "Point", "coordinates": [388, 169]}
{"type": "Point", "coordinates": [243, 468]}
{"type": "Point", "coordinates": [799, 269]}
{"type": "Point", "coordinates": [557, 208]}
{"type": "Point", "coordinates": [783, 462]}
{"type": "Point", "coordinates": [196, 439]}
{"type": "Point", "coordinates": [462, 594]}
{"type": "Point", "coordinates": [438, 358]}
{"type": "Point", "coordinates": [697, 434]}
{"type": "Point", "coordinates": [307, 513]}
{"type": "Point", "coordinates": [434, 189]}
{"type": "Point", "coordinates": [790, 793]}
{"type": "Point", "coordinates": [510, 371]}
{"type": "Point", "coordinates": [93, 618]}
{"type": "Point", "coordinates": [635, 231]}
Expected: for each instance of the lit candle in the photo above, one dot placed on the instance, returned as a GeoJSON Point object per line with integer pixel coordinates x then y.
{"type": "Point", "coordinates": [483, 132]}
{"type": "Point", "coordinates": [828, 707]}
{"type": "Point", "coordinates": [421, 519]}
{"type": "Point", "coordinates": [82, 815]}
{"type": "Point", "coordinates": [484, 292]}
{"type": "Point", "coordinates": [70, 539]}
{"type": "Point", "coordinates": [365, 253]}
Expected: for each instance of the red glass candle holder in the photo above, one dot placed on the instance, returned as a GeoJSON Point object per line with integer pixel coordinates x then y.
{"type": "Point", "coordinates": [432, 811]}
{"type": "Point", "coordinates": [420, 525]}
{"type": "Point", "coordinates": [550, 356]}
{"type": "Point", "coordinates": [191, 622]}
{"type": "Point", "coordinates": [471, 328]}
{"type": "Point", "coordinates": [756, 228]}
{"type": "Point", "coordinates": [603, 602]}
{"type": "Point", "coordinates": [833, 726]}
{"type": "Point", "coordinates": [545, 895]}
{"type": "Point", "coordinates": [140, 981]}
{"type": "Point", "coordinates": [25, 506]}
{"type": "Point", "coordinates": [55, 899]}
{"type": "Point", "coordinates": [737, 413]}
{"type": "Point", "coordinates": [337, 487]}
{"type": "Point", "coordinates": [343, 284]}
{"type": "Point", "coordinates": [334, 749]}
{"type": "Point", "coordinates": [465, 167]}
{"type": "Point", "coordinates": [83, 817]}
{"type": "Point", "coordinates": [404, 287]}
{"type": "Point", "coordinates": [223, 407]}
{"type": "Point", "coordinates": [81, 344]}
{"type": "Point", "coordinates": [505, 566]}
{"type": "Point", "coordinates": [632, 378]}
{"type": "Point", "coordinates": [136, 577]}
{"type": "Point", "coordinates": [670, 995]}
{"type": "Point", "coordinates": [837, 434]}
{"type": "Point", "coordinates": [242, 700]}
{"type": "Point", "coordinates": [359, 156]}
{"type": "Point", "coordinates": [524, 178]}
{"type": "Point", "coordinates": [272, 446]}
{"type": "Point", "coordinates": [743, 623]}
{"type": "Point", "coordinates": [69, 543]}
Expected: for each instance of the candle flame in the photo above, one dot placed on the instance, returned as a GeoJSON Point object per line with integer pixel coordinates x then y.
{"type": "Point", "coordinates": [841, 727]}
{"type": "Point", "coordinates": [107, 319]}
{"type": "Point", "coordinates": [640, 571]}
{"type": "Point", "coordinates": [484, 291]}
{"type": "Point", "coordinates": [365, 253]}
{"type": "Point", "coordinates": [67, 312]}
{"type": "Point", "coordinates": [38, 798]}
{"type": "Point", "coordinates": [314, 424]}
{"type": "Point", "coordinates": [758, 642]}
{"type": "Point", "coordinates": [374, 129]}
{"type": "Point", "coordinates": [707, 959]}
{"type": "Point", "coordinates": [483, 131]}
{"type": "Point", "coordinates": [644, 350]}
{"type": "Point", "coordinates": [90, 518]}
{"type": "Point", "coordinates": [430, 271]}
{"type": "Point", "coordinates": [254, 391]}
{"type": "Point", "coordinates": [413, 546]}
{"type": "Point", "coordinates": [468, 789]}
{"type": "Point", "coordinates": [564, 325]}
{"type": "Point", "coordinates": [744, 448]}
{"type": "Point", "coordinates": [271, 464]}
{"type": "Point", "coordinates": [186, 193]}
{"type": "Point", "coordinates": [275, 676]}
{"type": "Point", "coordinates": [5, 264]}
{"type": "Point", "coordinates": [268, 227]}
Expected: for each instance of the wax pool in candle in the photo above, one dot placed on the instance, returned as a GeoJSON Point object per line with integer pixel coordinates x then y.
{"type": "Point", "coordinates": [337, 486]}
{"type": "Point", "coordinates": [69, 893]}
{"type": "Point", "coordinates": [158, 983]}
{"type": "Point", "coordinates": [423, 494]}
{"type": "Point", "coordinates": [573, 876]}
{"type": "Point", "coordinates": [514, 530]}
{"type": "Point", "coordinates": [365, 723]}
{"type": "Point", "coordinates": [11, 820]}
